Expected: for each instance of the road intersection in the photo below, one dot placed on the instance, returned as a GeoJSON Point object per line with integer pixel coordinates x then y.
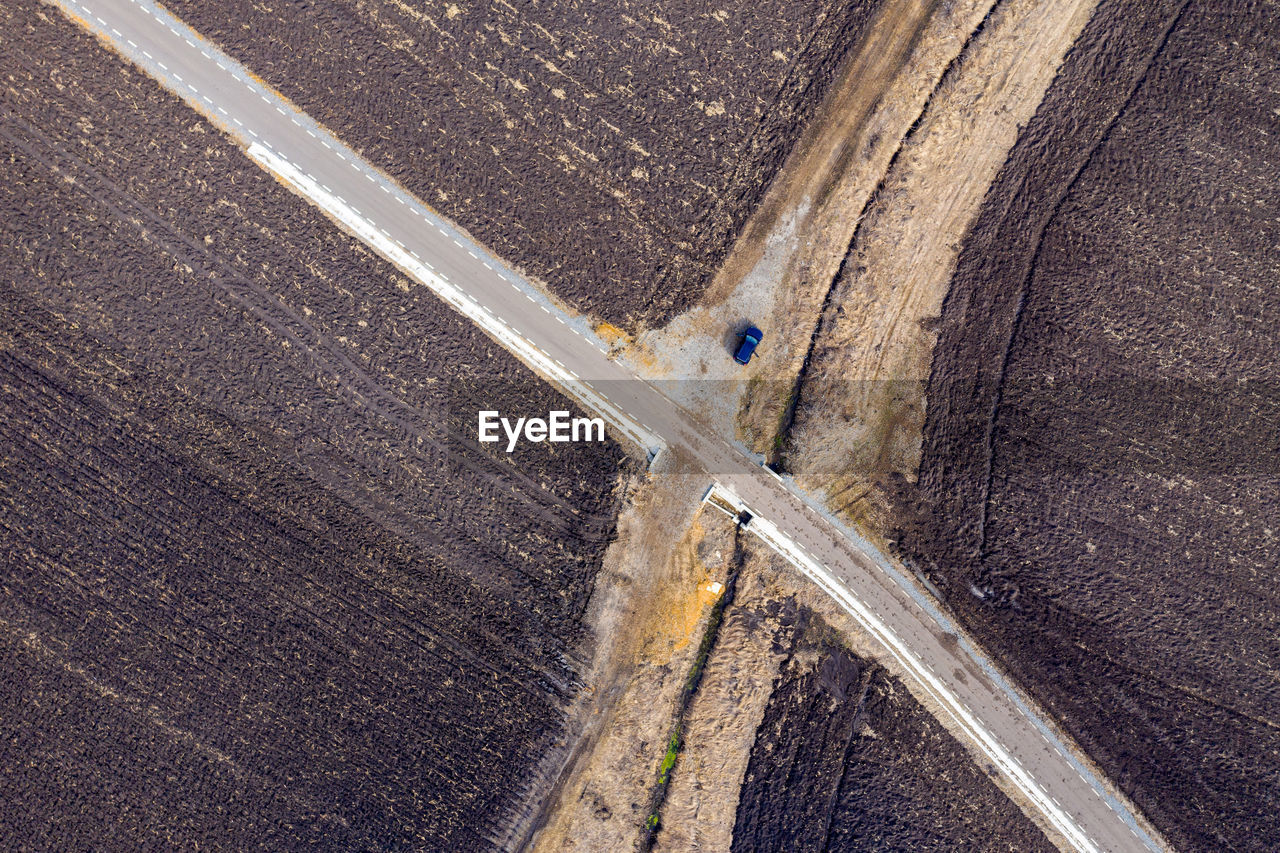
{"type": "Point", "coordinates": [1084, 813]}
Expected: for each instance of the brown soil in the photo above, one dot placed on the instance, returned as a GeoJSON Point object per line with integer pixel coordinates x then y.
{"type": "Point", "coordinates": [845, 759]}
{"type": "Point", "coordinates": [612, 150]}
{"type": "Point", "coordinates": [261, 589]}
{"type": "Point", "coordinates": [1099, 477]}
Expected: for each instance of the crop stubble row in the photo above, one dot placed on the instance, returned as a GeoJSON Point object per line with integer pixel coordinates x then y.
{"type": "Point", "coordinates": [260, 586]}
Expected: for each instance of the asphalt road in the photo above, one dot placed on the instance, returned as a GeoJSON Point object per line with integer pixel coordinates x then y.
{"type": "Point", "coordinates": [893, 607]}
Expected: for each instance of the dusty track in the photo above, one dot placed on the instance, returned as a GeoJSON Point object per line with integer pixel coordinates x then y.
{"type": "Point", "coordinates": [828, 147]}
{"type": "Point", "coordinates": [861, 406]}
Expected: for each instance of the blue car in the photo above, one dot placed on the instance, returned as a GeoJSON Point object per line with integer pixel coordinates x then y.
{"type": "Point", "coordinates": [750, 340]}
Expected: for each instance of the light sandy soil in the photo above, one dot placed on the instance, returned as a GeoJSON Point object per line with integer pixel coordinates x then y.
{"type": "Point", "coordinates": [862, 407]}
{"type": "Point", "coordinates": [703, 797]}
{"type": "Point", "coordinates": [649, 612]}
{"type": "Point", "coordinates": [782, 267]}
{"type": "Point", "coordinates": [720, 728]}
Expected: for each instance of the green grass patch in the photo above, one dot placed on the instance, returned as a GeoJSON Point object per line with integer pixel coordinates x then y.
{"type": "Point", "coordinates": [669, 760]}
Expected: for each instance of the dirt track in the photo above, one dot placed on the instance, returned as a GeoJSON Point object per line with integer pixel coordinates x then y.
{"type": "Point", "coordinates": [861, 405]}
{"type": "Point", "coordinates": [662, 595]}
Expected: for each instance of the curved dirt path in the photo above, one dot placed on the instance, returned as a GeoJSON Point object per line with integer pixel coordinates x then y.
{"type": "Point", "coordinates": [861, 406]}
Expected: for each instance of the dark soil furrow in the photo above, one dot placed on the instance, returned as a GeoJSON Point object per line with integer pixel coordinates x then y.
{"type": "Point", "coordinates": [845, 759]}
{"type": "Point", "coordinates": [615, 154]}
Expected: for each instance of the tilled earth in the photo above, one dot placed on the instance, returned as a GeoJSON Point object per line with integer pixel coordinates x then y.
{"type": "Point", "coordinates": [846, 759]}
{"type": "Point", "coordinates": [612, 149]}
{"type": "Point", "coordinates": [260, 589]}
{"type": "Point", "coordinates": [1101, 477]}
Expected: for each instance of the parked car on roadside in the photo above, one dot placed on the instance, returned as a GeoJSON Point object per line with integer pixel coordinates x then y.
{"type": "Point", "coordinates": [750, 340]}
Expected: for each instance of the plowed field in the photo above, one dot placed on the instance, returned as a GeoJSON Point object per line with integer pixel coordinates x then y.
{"type": "Point", "coordinates": [1101, 473]}
{"type": "Point", "coordinates": [258, 589]}
{"type": "Point", "coordinates": [614, 150]}
{"type": "Point", "coordinates": [846, 759]}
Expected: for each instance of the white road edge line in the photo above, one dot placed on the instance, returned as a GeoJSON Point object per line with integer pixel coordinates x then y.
{"type": "Point", "coordinates": [797, 556]}
{"type": "Point", "coordinates": [372, 236]}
